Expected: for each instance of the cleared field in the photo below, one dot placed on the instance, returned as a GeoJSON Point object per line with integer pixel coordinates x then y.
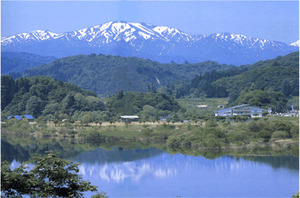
{"type": "Point", "coordinates": [197, 105]}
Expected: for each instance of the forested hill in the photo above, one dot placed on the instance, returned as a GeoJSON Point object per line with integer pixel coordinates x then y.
{"type": "Point", "coordinates": [50, 99]}
{"type": "Point", "coordinates": [18, 62]}
{"type": "Point", "coordinates": [43, 96]}
{"type": "Point", "coordinates": [280, 75]}
{"type": "Point", "coordinates": [109, 74]}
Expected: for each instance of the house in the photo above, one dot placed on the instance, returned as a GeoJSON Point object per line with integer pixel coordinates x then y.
{"type": "Point", "coordinates": [17, 117]}
{"type": "Point", "coordinates": [241, 110]}
{"type": "Point", "coordinates": [29, 118]}
{"type": "Point", "coordinates": [127, 118]}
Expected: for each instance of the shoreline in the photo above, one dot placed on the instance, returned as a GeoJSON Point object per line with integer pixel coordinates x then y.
{"type": "Point", "coordinates": [206, 136]}
{"type": "Point", "coordinates": [185, 138]}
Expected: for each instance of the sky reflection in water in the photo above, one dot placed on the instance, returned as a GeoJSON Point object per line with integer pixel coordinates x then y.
{"type": "Point", "coordinates": [181, 175]}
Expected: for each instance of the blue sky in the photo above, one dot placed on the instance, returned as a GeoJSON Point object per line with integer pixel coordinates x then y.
{"type": "Point", "coordinates": [275, 20]}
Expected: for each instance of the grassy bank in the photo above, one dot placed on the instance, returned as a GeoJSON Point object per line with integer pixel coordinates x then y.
{"type": "Point", "coordinates": [277, 133]}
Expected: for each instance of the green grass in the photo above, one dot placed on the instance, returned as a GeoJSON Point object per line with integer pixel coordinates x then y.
{"type": "Point", "coordinates": [212, 104]}
{"type": "Point", "coordinates": [294, 120]}
{"type": "Point", "coordinates": [122, 131]}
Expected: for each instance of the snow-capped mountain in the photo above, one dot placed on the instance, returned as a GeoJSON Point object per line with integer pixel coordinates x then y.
{"type": "Point", "coordinates": [159, 43]}
{"type": "Point", "coordinates": [105, 33]}
{"type": "Point", "coordinates": [297, 43]}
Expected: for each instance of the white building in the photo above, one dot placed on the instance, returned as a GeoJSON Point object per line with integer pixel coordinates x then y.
{"type": "Point", "coordinates": [242, 110]}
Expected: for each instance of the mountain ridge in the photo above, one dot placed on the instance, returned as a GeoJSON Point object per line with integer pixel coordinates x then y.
{"type": "Point", "coordinates": [107, 75]}
{"type": "Point", "coordinates": [18, 62]}
{"type": "Point", "coordinates": [162, 32]}
{"type": "Point", "coordinates": [159, 43]}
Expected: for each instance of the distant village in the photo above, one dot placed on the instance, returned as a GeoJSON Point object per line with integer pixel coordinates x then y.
{"type": "Point", "coordinates": [240, 110]}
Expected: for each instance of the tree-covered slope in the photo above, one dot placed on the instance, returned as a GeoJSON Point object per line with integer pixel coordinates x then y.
{"type": "Point", "coordinates": [18, 62]}
{"type": "Point", "coordinates": [280, 75]}
{"type": "Point", "coordinates": [109, 74]}
{"type": "Point", "coordinates": [145, 104]}
{"type": "Point", "coordinates": [44, 96]}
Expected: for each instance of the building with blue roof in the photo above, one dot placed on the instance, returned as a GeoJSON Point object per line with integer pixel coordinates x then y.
{"type": "Point", "coordinates": [17, 117]}
{"type": "Point", "coordinates": [29, 118]}
{"type": "Point", "coordinates": [242, 110]}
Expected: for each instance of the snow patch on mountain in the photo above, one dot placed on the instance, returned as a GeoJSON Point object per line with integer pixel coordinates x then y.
{"type": "Point", "coordinates": [296, 44]}
{"type": "Point", "coordinates": [37, 35]}
{"type": "Point", "coordinates": [128, 31]}
{"type": "Point", "coordinates": [111, 31]}
{"type": "Point", "coordinates": [154, 42]}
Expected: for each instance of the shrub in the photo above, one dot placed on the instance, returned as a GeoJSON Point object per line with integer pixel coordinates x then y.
{"type": "Point", "coordinates": [91, 134]}
{"type": "Point", "coordinates": [253, 127]}
{"type": "Point", "coordinates": [282, 125]}
{"type": "Point", "coordinates": [238, 136]}
{"type": "Point", "coordinates": [211, 142]}
{"type": "Point", "coordinates": [189, 127]}
{"type": "Point", "coordinates": [265, 134]}
{"type": "Point", "coordinates": [147, 132]}
{"type": "Point", "coordinates": [294, 132]}
{"type": "Point", "coordinates": [211, 123]}
{"type": "Point", "coordinates": [280, 135]}
{"type": "Point", "coordinates": [174, 142]}
{"type": "Point", "coordinates": [168, 126]}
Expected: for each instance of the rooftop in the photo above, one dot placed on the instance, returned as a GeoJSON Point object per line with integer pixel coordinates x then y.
{"type": "Point", "coordinates": [129, 117]}
{"type": "Point", "coordinates": [243, 106]}
{"type": "Point", "coordinates": [15, 116]}
{"type": "Point", "coordinates": [28, 116]}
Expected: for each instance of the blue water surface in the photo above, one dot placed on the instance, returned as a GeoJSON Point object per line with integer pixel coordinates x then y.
{"type": "Point", "coordinates": [154, 173]}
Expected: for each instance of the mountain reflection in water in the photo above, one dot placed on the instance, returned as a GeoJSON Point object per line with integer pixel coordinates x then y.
{"type": "Point", "coordinates": [172, 175]}
{"type": "Point", "coordinates": [154, 173]}
{"type": "Point", "coordinates": [151, 172]}
{"type": "Point", "coordinates": [128, 170]}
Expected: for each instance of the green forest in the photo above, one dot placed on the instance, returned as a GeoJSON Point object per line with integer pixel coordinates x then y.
{"type": "Point", "coordinates": [40, 96]}
{"type": "Point", "coordinates": [55, 100]}
{"type": "Point", "coordinates": [15, 63]}
{"type": "Point", "coordinates": [280, 75]}
{"type": "Point", "coordinates": [265, 84]}
{"type": "Point", "coordinates": [106, 75]}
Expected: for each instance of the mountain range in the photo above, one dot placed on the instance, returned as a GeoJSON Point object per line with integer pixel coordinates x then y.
{"type": "Point", "coordinates": [158, 43]}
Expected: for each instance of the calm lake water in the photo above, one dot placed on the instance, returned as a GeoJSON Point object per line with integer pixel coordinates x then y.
{"type": "Point", "coordinates": [155, 173]}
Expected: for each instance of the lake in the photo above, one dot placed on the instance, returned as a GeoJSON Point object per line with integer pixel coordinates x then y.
{"type": "Point", "coordinates": [155, 173]}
